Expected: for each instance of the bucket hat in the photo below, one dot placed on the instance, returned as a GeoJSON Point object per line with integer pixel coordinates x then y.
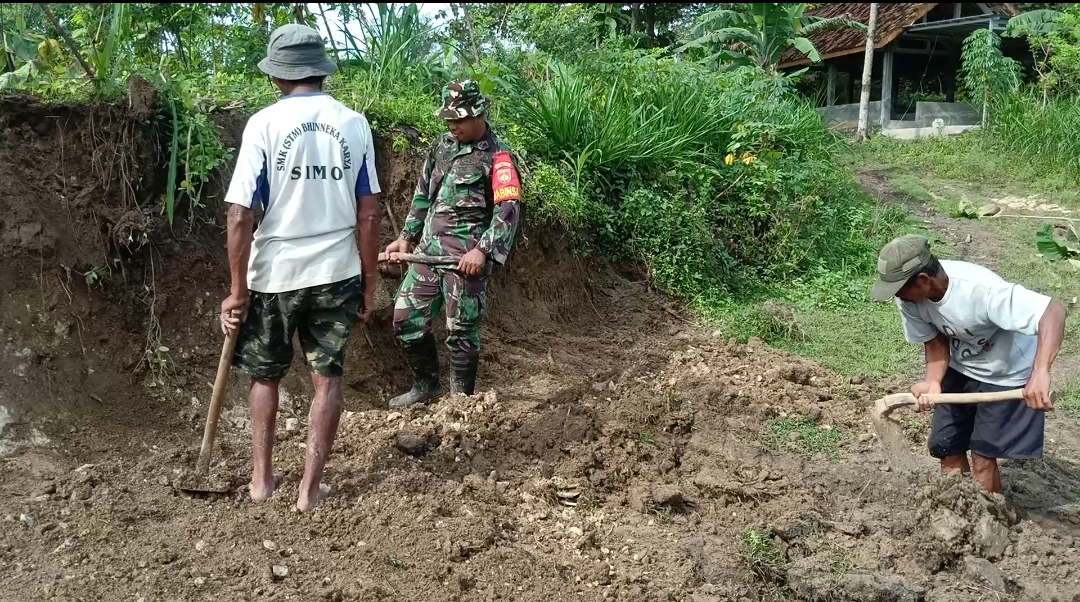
{"type": "Point", "coordinates": [296, 52]}
{"type": "Point", "coordinates": [461, 99]}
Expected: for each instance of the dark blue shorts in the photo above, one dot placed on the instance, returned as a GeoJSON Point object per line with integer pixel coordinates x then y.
{"type": "Point", "coordinates": [1004, 429]}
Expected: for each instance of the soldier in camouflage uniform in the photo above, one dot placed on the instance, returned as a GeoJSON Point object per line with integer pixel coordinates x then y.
{"type": "Point", "coordinates": [467, 205]}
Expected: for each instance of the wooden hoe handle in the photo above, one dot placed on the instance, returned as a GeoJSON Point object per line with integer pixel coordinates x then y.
{"type": "Point", "coordinates": [425, 259]}
{"type": "Point", "coordinates": [227, 349]}
{"type": "Point", "coordinates": [975, 397]}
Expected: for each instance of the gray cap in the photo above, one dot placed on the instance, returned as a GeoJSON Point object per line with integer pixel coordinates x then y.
{"type": "Point", "coordinates": [897, 262]}
{"type": "Point", "coordinates": [296, 52]}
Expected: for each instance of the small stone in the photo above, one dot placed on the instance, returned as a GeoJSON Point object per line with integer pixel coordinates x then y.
{"type": "Point", "coordinates": [411, 443]}
{"type": "Point", "coordinates": [575, 531]}
{"type": "Point", "coordinates": [984, 573]}
{"type": "Point", "coordinates": [143, 564]}
{"type": "Point", "coordinates": [200, 546]}
{"type": "Point", "coordinates": [27, 520]}
{"type": "Point", "coordinates": [269, 545]}
{"type": "Point", "coordinates": [200, 581]}
{"type": "Point", "coordinates": [865, 438]}
{"type": "Point", "coordinates": [45, 489]}
{"type": "Point", "coordinates": [292, 425]}
{"type": "Point", "coordinates": [280, 572]}
{"type": "Point", "coordinates": [82, 493]}
{"type": "Point", "coordinates": [794, 436]}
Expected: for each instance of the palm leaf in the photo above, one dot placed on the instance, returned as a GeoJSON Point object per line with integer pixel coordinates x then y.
{"type": "Point", "coordinates": [806, 47]}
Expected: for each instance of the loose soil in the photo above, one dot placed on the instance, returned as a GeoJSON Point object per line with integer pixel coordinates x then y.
{"type": "Point", "coordinates": [615, 451]}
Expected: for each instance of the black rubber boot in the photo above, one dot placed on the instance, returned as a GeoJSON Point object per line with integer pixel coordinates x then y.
{"type": "Point", "coordinates": [424, 361]}
{"type": "Point", "coordinates": [464, 373]}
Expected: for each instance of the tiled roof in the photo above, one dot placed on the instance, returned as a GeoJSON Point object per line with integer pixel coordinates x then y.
{"type": "Point", "coordinates": [891, 21]}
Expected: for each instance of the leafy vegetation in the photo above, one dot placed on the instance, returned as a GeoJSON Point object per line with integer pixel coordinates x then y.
{"type": "Point", "coordinates": [1054, 250]}
{"type": "Point", "coordinates": [760, 33]}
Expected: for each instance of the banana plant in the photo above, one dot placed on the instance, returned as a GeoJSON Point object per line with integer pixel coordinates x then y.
{"type": "Point", "coordinates": [1039, 27]}
{"type": "Point", "coordinates": [761, 34]}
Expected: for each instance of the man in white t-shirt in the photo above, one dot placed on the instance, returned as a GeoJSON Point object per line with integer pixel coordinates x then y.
{"type": "Point", "coordinates": [981, 334]}
{"type": "Point", "coordinates": [307, 162]}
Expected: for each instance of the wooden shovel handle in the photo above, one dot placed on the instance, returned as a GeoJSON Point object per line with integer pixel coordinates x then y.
{"type": "Point", "coordinates": [227, 349]}
{"type": "Point", "coordinates": [425, 259]}
{"type": "Point", "coordinates": [976, 397]}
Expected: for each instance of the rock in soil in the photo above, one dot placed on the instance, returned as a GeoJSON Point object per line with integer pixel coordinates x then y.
{"type": "Point", "coordinates": [413, 444]}
{"type": "Point", "coordinates": [985, 574]}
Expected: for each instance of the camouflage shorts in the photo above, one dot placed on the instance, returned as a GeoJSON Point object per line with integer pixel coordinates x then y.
{"type": "Point", "coordinates": [323, 316]}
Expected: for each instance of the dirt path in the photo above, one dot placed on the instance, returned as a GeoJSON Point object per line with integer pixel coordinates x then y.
{"type": "Point", "coordinates": [615, 453]}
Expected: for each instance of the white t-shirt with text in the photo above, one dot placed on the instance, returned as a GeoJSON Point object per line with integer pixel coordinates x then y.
{"type": "Point", "coordinates": [304, 160]}
{"type": "Point", "coordinates": [992, 324]}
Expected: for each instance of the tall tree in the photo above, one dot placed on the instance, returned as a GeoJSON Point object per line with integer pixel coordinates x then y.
{"type": "Point", "coordinates": [868, 67]}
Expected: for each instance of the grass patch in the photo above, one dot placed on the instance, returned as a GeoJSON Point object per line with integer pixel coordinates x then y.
{"type": "Point", "coordinates": [963, 158]}
{"type": "Point", "coordinates": [761, 557]}
{"type": "Point", "coordinates": [803, 436]}
{"type": "Point", "coordinates": [1068, 400]}
{"type": "Point", "coordinates": [865, 339]}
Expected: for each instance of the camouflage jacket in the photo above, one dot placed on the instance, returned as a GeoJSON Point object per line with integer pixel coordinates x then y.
{"type": "Point", "coordinates": [468, 196]}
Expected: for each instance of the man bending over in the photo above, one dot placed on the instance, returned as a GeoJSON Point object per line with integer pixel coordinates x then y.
{"type": "Point", "coordinates": [981, 334]}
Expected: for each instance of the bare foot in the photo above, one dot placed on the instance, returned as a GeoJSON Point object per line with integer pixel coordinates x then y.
{"type": "Point", "coordinates": [261, 492]}
{"type": "Point", "coordinates": [307, 501]}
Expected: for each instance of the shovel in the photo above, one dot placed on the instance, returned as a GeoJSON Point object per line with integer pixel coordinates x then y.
{"type": "Point", "coordinates": [890, 431]}
{"type": "Point", "coordinates": [200, 482]}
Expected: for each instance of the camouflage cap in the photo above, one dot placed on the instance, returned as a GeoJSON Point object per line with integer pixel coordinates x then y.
{"type": "Point", "coordinates": [461, 99]}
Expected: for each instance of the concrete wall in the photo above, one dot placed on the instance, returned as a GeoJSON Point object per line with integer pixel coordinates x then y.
{"type": "Point", "coordinates": [850, 112]}
{"type": "Point", "coordinates": [913, 133]}
{"type": "Point", "coordinates": [952, 113]}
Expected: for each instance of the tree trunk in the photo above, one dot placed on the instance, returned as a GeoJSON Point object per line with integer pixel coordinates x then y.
{"type": "Point", "coordinates": [650, 20]}
{"type": "Point", "coordinates": [472, 34]}
{"type": "Point", "coordinates": [67, 38]}
{"type": "Point", "coordinates": [634, 9]}
{"type": "Point", "coordinates": [868, 67]}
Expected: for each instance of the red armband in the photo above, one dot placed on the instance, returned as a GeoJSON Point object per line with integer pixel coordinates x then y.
{"type": "Point", "coordinates": [504, 179]}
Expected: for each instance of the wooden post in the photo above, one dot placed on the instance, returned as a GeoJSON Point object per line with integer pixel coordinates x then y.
{"type": "Point", "coordinates": [887, 85]}
{"type": "Point", "coordinates": [868, 67]}
{"type": "Point", "coordinates": [830, 95]}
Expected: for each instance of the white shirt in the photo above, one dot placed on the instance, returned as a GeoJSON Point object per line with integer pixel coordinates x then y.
{"type": "Point", "coordinates": [991, 324]}
{"type": "Point", "coordinates": [304, 159]}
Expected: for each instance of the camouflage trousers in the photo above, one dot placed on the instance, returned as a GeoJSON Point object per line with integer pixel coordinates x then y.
{"type": "Point", "coordinates": [321, 315]}
{"type": "Point", "coordinates": [422, 294]}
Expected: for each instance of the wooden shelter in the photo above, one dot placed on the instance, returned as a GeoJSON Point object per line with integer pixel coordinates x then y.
{"type": "Point", "coordinates": [912, 41]}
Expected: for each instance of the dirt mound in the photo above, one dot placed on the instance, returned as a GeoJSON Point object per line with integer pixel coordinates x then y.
{"type": "Point", "coordinates": [614, 452]}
